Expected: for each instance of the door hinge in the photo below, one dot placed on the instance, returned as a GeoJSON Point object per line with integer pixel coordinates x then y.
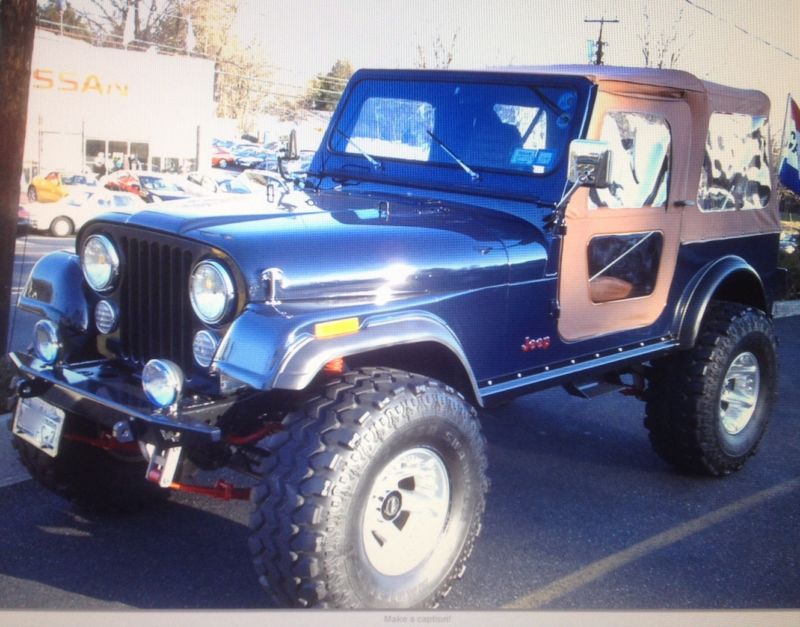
{"type": "Point", "coordinates": [555, 309]}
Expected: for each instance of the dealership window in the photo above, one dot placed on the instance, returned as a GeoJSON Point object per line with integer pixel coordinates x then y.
{"type": "Point", "coordinates": [735, 171]}
{"type": "Point", "coordinates": [94, 156]}
{"type": "Point", "coordinates": [640, 147]}
{"type": "Point", "coordinates": [102, 156]}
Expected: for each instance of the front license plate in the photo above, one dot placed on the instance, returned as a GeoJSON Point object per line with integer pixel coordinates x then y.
{"type": "Point", "coordinates": [39, 423]}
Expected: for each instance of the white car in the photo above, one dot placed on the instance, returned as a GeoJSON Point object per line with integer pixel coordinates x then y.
{"type": "Point", "coordinates": [64, 217]}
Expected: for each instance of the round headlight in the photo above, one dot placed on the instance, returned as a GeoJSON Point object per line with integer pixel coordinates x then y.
{"type": "Point", "coordinates": [105, 316]}
{"type": "Point", "coordinates": [204, 346]}
{"type": "Point", "coordinates": [211, 291]}
{"type": "Point", "coordinates": [162, 382]}
{"type": "Point", "coordinates": [46, 342]}
{"type": "Point", "coordinates": [100, 262]}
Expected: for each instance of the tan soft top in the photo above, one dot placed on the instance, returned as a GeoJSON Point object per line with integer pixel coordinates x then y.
{"type": "Point", "coordinates": [720, 97]}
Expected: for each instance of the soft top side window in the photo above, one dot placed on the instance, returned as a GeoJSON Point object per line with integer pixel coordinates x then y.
{"type": "Point", "coordinates": [640, 146]}
{"type": "Point", "coordinates": [735, 171]}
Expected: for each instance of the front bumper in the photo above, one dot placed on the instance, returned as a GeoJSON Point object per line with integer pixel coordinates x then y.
{"type": "Point", "coordinates": [105, 395]}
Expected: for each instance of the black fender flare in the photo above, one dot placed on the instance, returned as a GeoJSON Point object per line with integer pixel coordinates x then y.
{"type": "Point", "coordinates": [55, 291]}
{"type": "Point", "coordinates": [308, 355]}
{"type": "Point", "coordinates": [708, 283]}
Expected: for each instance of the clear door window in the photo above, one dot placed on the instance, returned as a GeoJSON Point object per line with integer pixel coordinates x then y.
{"type": "Point", "coordinates": [640, 149]}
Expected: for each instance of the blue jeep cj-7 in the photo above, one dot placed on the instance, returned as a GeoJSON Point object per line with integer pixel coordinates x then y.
{"type": "Point", "coordinates": [461, 238]}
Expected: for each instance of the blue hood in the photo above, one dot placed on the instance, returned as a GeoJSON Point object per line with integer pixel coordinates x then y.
{"type": "Point", "coordinates": [343, 248]}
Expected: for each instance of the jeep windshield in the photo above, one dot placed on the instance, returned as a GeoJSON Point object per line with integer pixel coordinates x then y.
{"type": "Point", "coordinates": [457, 125]}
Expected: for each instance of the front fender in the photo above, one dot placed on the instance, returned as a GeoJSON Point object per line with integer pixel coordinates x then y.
{"type": "Point", "coordinates": [728, 278]}
{"type": "Point", "coordinates": [55, 291]}
{"type": "Point", "coordinates": [268, 352]}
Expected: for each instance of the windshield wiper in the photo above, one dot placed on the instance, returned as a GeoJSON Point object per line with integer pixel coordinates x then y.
{"type": "Point", "coordinates": [372, 160]}
{"type": "Point", "coordinates": [473, 175]}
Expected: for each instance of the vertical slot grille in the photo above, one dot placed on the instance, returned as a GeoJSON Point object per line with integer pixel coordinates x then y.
{"type": "Point", "coordinates": [155, 314]}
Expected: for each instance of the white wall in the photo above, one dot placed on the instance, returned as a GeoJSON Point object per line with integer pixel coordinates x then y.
{"type": "Point", "coordinates": [105, 93]}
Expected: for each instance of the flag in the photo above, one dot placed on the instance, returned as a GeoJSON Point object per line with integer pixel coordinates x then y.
{"type": "Point", "coordinates": [788, 173]}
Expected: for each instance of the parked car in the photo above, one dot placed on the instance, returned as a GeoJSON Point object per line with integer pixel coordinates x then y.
{"type": "Point", "coordinates": [222, 158]}
{"type": "Point", "coordinates": [246, 159]}
{"type": "Point", "coordinates": [56, 184]}
{"type": "Point", "coordinates": [23, 221]}
{"type": "Point", "coordinates": [218, 182]}
{"type": "Point", "coordinates": [64, 217]}
{"type": "Point", "coordinates": [269, 162]}
{"type": "Point", "coordinates": [152, 187]}
{"type": "Point", "coordinates": [466, 238]}
{"type": "Point", "coordinates": [789, 241]}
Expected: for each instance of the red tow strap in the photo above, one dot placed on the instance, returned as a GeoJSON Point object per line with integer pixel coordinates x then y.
{"type": "Point", "coordinates": [220, 490]}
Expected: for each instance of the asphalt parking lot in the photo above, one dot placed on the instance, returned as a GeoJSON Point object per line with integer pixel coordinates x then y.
{"type": "Point", "coordinates": [582, 515]}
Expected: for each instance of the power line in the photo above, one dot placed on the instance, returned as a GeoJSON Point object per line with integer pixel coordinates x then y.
{"type": "Point", "coordinates": [743, 30]}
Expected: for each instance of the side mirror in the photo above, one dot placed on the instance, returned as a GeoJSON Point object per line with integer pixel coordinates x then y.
{"type": "Point", "coordinates": [291, 147]}
{"type": "Point", "coordinates": [589, 163]}
{"type": "Point", "coordinates": [290, 154]}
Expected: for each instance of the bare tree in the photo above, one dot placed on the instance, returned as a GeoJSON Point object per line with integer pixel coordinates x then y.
{"type": "Point", "coordinates": [442, 54]}
{"type": "Point", "coordinates": [242, 83]}
{"type": "Point", "coordinates": [664, 48]}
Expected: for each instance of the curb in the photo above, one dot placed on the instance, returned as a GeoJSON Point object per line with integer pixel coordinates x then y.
{"type": "Point", "coordinates": [786, 308]}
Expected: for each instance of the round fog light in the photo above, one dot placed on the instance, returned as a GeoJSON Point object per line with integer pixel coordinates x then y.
{"type": "Point", "coordinates": [204, 346]}
{"type": "Point", "coordinates": [46, 342]}
{"type": "Point", "coordinates": [105, 317]}
{"type": "Point", "coordinates": [162, 382]}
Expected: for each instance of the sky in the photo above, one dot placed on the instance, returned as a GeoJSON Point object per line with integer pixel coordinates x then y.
{"type": "Point", "coordinates": [305, 37]}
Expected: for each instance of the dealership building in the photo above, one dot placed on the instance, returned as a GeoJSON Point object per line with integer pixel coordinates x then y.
{"type": "Point", "coordinates": [92, 108]}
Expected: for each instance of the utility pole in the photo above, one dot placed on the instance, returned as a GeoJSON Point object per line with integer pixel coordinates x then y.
{"type": "Point", "coordinates": [598, 59]}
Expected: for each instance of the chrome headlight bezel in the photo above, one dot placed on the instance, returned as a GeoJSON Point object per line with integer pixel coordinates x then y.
{"type": "Point", "coordinates": [211, 312]}
{"type": "Point", "coordinates": [105, 281]}
{"type": "Point", "coordinates": [106, 317]}
{"type": "Point", "coordinates": [204, 347]}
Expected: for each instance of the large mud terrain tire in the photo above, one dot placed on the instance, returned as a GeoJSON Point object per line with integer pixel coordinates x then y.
{"type": "Point", "coordinates": [90, 477]}
{"type": "Point", "coordinates": [707, 408]}
{"type": "Point", "coordinates": [372, 497]}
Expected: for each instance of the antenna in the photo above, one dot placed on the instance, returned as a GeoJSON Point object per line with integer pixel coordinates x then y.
{"type": "Point", "coordinates": [598, 58]}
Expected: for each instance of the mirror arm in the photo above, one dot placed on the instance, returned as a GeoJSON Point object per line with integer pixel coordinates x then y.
{"type": "Point", "coordinates": [556, 220]}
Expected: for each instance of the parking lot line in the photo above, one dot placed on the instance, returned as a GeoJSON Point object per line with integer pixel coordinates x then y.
{"type": "Point", "coordinates": [561, 587]}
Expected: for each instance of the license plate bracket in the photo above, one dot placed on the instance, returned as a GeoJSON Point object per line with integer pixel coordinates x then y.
{"type": "Point", "coordinates": [39, 423]}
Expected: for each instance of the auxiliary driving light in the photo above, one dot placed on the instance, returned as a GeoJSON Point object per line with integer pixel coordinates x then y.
{"type": "Point", "coordinates": [162, 382]}
{"type": "Point", "coordinates": [46, 342]}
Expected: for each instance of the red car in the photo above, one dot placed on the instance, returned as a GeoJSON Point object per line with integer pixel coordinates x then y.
{"type": "Point", "coordinates": [222, 158]}
{"type": "Point", "coordinates": [151, 186]}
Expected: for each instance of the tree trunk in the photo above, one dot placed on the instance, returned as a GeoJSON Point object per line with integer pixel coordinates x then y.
{"type": "Point", "coordinates": [17, 25]}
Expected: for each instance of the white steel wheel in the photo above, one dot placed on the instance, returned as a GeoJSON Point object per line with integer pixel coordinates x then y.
{"type": "Point", "coordinates": [406, 511]}
{"type": "Point", "coordinates": [739, 396]}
